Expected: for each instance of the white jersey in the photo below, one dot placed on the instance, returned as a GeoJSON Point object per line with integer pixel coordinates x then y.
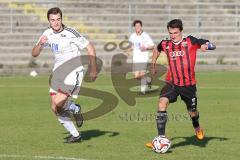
{"type": "Point", "coordinates": [65, 45]}
{"type": "Point", "coordinates": [140, 40]}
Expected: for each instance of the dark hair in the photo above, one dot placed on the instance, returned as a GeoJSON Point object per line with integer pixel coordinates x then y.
{"type": "Point", "coordinates": [54, 10]}
{"type": "Point", "coordinates": [137, 21]}
{"type": "Point", "coordinates": [175, 23]}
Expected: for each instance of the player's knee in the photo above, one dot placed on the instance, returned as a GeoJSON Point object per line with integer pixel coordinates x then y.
{"type": "Point", "coordinates": [60, 99]}
{"type": "Point", "coordinates": [137, 76]}
{"type": "Point", "coordinates": [59, 102]}
{"type": "Point", "coordinates": [163, 103]}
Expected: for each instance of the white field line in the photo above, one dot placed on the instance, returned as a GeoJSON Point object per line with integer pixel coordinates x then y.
{"type": "Point", "coordinates": [38, 157]}
{"type": "Point", "coordinates": [107, 86]}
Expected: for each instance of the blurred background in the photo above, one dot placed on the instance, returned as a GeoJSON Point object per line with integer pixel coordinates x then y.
{"type": "Point", "coordinates": [23, 21]}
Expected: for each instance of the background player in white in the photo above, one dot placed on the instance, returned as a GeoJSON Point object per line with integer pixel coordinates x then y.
{"type": "Point", "coordinates": [142, 43]}
{"type": "Point", "coordinates": [65, 43]}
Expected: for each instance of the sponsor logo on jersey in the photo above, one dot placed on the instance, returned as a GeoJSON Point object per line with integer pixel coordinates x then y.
{"type": "Point", "coordinates": [176, 54]}
{"type": "Point", "coordinates": [54, 47]}
{"type": "Point", "coordinates": [184, 44]}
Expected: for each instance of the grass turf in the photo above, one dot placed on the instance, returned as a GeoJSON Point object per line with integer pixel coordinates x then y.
{"type": "Point", "coordinates": [29, 130]}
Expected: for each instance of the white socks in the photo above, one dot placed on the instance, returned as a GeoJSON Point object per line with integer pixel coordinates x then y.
{"type": "Point", "coordinates": [68, 124]}
{"type": "Point", "coordinates": [144, 81]}
{"type": "Point", "coordinates": [149, 79]}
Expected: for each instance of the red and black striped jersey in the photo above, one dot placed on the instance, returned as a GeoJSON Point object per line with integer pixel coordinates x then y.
{"type": "Point", "coordinates": [181, 59]}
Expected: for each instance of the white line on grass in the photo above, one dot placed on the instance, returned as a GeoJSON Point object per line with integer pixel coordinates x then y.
{"type": "Point", "coordinates": [44, 86]}
{"type": "Point", "coordinates": [38, 157]}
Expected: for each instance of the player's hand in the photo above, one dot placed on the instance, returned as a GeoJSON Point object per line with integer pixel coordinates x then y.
{"type": "Point", "coordinates": [143, 47]}
{"type": "Point", "coordinates": [43, 40]}
{"type": "Point", "coordinates": [204, 47]}
{"type": "Point", "coordinates": [153, 69]}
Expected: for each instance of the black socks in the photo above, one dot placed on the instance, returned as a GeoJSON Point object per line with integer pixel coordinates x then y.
{"type": "Point", "coordinates": [161, 119]}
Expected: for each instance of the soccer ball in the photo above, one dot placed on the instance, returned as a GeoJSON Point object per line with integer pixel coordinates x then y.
{"type": "Point", "coordinates": [33, 73]}
{"type": "Point", "coordinates": [161, 144]}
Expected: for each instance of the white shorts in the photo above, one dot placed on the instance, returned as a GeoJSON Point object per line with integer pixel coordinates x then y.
{"type": "Point", "coordinates": [140, 61]}
{"type": "Point", "coordinates": [140, 57]}
{"type": "Point", "coordinates": [73, 79]}
{"type": "Point", "coordinates": [139, 67]}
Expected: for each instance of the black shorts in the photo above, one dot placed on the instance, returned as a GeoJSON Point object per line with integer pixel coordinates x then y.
{"type": "Point", "coordinates": [188, 95]}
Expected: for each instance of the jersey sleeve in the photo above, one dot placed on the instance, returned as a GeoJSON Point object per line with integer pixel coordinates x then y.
{"type": "Point", "coordinates": [81, 42]}
{"type": "Point", "coordinates": [197, 41]}
{"type": "Point", "coordinates": [77, 38]}
{"type": "Point", "coordinates": [159, 47]}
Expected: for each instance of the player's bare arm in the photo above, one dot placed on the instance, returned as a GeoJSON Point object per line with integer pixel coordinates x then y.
{"type": "Point", "coordinates": [154, 60]}
{"type": "Point", "coordinates": [92, 58]}
{"type": "Point", "coordinates": [38, 48]}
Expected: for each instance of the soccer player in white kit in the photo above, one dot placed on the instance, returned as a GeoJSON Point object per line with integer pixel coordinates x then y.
{"type": "Point", "coordinates": [142, 43]}
{"type": "Point", "coordinates": [65, 43]}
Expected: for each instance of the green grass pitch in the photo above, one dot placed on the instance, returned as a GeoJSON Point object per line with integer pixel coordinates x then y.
{"type": "Point", "coordinates": [29, 130]}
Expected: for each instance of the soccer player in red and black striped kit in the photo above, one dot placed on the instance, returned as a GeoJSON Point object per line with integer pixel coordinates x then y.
{"type": "Point", "coordinates": [181, 55]}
